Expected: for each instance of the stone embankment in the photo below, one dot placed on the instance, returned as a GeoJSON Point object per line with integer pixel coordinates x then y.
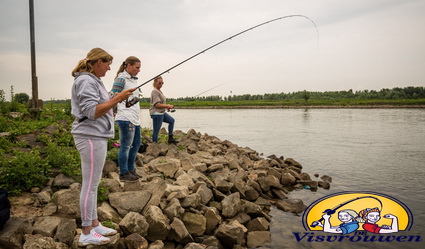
{"type": "Point", "coordinates": [203, 193]}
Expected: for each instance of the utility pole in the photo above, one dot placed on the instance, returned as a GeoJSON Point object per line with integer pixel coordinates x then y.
{"type": "Point", "coordinates": [34, 105]}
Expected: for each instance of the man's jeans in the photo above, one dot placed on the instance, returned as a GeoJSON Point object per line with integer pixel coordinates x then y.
{"type": "Point", "coordinates": [157, 123]}
{"type": "Point", "coordinates": [129, 145]}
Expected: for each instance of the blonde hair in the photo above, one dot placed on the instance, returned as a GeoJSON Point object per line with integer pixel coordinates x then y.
{"type": "Point", "coordinates": [86, 64]}
{"type": "Point", "coordinates": [130, 60]}
{"type": "Point", "coordinates": [155, 81]}
{"type": "Point", "coordinates": [353, 214]}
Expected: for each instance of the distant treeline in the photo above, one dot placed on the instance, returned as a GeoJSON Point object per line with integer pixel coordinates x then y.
{"type": "Point", "coordinates": [385, 93]}
{"type": "Point", "coordinates": [395, 93]}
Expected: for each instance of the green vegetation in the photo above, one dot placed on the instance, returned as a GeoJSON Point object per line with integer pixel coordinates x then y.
{"type": "Point", "coordinates": [22, 171]}
{"type": "Point", "coordinates": [396, 96]}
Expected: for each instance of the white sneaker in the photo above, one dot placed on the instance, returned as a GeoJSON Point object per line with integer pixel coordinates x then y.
{"type": "Point", "coordinates": [92, 238]}
{"type": "Point", "coordinates": [105, 231]}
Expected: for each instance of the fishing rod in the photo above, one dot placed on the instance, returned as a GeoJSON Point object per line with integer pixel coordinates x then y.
{"type": "Point", "coordinates": [333, 210]}
{"type": "Point", "coordinates": [229, 38]}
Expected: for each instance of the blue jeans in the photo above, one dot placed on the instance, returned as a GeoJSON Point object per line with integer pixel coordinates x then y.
{"type": "Point", "coordinates": [157, 123]}
{"type": "Point", "coordinates": [129, 145]}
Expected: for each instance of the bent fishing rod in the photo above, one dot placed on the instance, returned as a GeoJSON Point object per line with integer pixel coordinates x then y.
{"type": "Point", "coordinates": [333, 210]}
{"type": "Point", "coordinates": [229, 38]}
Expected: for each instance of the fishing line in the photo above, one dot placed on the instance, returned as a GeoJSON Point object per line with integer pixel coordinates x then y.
{"type": "Point", "coordinates": [231, 37]}
{"type": "Point", "coordinates": [208, 90]}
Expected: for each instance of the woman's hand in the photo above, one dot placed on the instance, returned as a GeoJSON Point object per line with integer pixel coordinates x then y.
{"type": "Point", "coordinates": [125, 94]}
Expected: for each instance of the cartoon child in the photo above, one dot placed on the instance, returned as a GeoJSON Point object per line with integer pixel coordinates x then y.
{"type": "Point", "coordinates": [373, 215]}
{"type": "Point", "coordinates": [350, 222]}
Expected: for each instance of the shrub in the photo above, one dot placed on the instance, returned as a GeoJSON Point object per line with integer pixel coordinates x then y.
{"type": "Point", "coordinates": [102, 192]}
{"type": "Point", "coordinates": [67, 159]}
{"type": "Point", "coordinates": [23, 171]}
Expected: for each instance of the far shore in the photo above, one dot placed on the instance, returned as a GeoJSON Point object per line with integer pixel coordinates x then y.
{"type": "Point", "coordinates": [304, 107]}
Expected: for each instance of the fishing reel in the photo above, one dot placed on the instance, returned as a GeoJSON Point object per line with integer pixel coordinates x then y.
{"type": "Point", "coordinates": [171, 110]}
{"type": "Point", "coordinates": [133, 101]}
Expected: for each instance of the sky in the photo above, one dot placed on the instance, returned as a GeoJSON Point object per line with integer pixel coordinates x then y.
{"type": "Point", "coordinates": [360, 44]}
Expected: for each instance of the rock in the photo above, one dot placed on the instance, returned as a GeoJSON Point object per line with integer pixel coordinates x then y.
{"type": "Point", "coordinates": [67, 200]}
{"type": "Point", "coordinates": [158, 188]}
{"type": "Point", "coordinates": [185, 180]}
{"type": "Point", "coordinates": [192, 200]}
{"type": "Point", "coordinates": [213, 219]}
{"type": "Point", "coordinates": [223, 185]}
{"type": "Point", "coordinates": [195, 223]}
{"type": "Point", "coordinates": [231, 205]}
{"type": "Point", "coordinates": [179, 232]}
{"type": "Point", "coordinates": [157, 245]}
{"type": "Point", "coordinates": [37, 241]}
{"type": "Point", "coordinates": [156, 150]}
{"type": "Point", "coordinates": [12, 235]}
{"type": "Point", "coordinates": [230, 235]}
{"type": "Point", "coordinates": [205, 193]}
{"type": "Point", "coordinates": [258, 238]}
{"type": "Point", "coordinates": [254, 210]}
{"type": "Point", "coordinates": [287, 179]}
{"type": "Point", "coordinates": [106, 212]}
{"type": "Point", "coordinates": [46, 226]}
{"type": "Point", "coordinates": [291, 205]}
{"type": "Point", "coordinates": [50, 209]}
{"type": "Point", "coordinates": [178, 192]}
{"type": "Point", "coordinates": [258, 224]}
{"type": "Point", "coordinates": [135, 241]}
{"type": "Point", "coordinates": [292, 162]}
{"type": "Point", "coordinates": [134, 223]}
{"type": "Point", "coordinates": [166, 165]}
{"type": "Point", "coordinates": [173, 209]}
{"type": "Point", "coordinates": [43, 197]}
{"type": "Point", "coordinates": [158, 224]}
{"type": "Point", "coordinates": [212, 243]}
{"type": "Point", "coordinates": [278, 193]}
{"type": "Point", "coordinates": [194, 246]}
{"type": "Point", "coordinates": [326, 178]}
{"type": "Point", "coordinates": [324, 185]}
{"type": "Point", "coordinates": [131, 201]}
{"type": "Point", "coordinates": [110, 166]}
{"type": "Point", "coordinates": [132, 186]}
{"type": "Point", "coordinates": [66, 231]}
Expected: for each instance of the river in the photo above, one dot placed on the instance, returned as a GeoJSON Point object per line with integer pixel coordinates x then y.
{"type": "Point", "coordinates": [379, 150]}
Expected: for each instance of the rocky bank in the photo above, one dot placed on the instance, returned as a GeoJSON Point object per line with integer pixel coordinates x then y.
{"type": "Point", "coordinates": [202, 193]}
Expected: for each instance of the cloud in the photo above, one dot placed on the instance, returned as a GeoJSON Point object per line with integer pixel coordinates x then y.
{"type": "Point", "coordinates": [363, 44]}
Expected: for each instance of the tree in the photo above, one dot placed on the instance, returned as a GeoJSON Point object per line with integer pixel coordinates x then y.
{"type": "Point", "coordinates": [22, 98]}
{"type": "Point", "coordinates": [305, 95]}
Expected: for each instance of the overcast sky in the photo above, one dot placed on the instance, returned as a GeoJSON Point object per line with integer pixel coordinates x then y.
{"type": "Point", "coordinates": [363, 44]}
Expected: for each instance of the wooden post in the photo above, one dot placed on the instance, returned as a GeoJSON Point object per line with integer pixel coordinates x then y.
{"type": "Point", "coordinates": [34, 102]}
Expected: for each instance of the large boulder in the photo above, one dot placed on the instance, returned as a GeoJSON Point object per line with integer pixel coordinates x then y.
{"type": "Point", "coordinates": [131, 201]}
{"type": "Point", "coordinates": [179, 232]}
{"type": "Point", "coordinates": [231, 205]}
{"type": "Point", "coordinates": [231, 234]}
{"type": "Point", "coordinates": [291, 205]}
{"type": "Point", "coordinates": [134, 223]}
{"type": "Point", "coordinates": [158, 224]}
{"type": "Point", "coordinates": [195, 223]}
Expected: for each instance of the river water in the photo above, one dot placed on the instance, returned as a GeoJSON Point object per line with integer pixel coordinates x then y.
{"type": "Point", "coordinates": [379, 150]}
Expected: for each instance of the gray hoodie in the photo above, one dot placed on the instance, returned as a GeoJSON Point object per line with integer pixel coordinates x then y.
{"type": "Point", "coordinates": [88, 91]}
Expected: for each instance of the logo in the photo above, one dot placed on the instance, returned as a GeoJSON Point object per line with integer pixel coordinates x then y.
{"type": "Point", "coordinates": [355, 217]}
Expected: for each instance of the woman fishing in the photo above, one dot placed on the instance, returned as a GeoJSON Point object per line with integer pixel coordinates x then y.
{"type": "Point", "coordinates": [158, 110]}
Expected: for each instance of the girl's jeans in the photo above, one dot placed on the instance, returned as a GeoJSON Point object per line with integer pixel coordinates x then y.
{"type": "Point", "coordinates": [157, 123]}
{"type": "Point", "coordinates": [129, 145]}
